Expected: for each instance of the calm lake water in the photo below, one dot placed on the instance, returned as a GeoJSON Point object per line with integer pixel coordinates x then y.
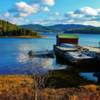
{"type": "Point", "coordinates": [14, 58]}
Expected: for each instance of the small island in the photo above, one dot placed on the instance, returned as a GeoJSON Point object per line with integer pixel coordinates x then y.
{"type": "Point", "coordinates": [8, 29]}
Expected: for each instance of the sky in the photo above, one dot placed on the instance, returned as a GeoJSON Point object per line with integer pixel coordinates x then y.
{"type": "Point", "coordinates": [50, 12]}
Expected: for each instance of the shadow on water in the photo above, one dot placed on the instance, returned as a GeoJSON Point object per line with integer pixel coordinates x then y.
{"type": "Point", "coordinates": [90, 71]}
{"type": "Point", "coordinates": [92, 68]}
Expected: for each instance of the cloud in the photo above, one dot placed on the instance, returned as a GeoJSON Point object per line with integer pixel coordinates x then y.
{"type": "Point", "coordinates": [22, 9]}
{"type": "Point", "coordinates": [51, 21]}
{"type": "Point", "coordinates": [87, 11]}
{"type": "Point", "coordinates": [46, 9]}
{"type": "Point", "coordinates": [85, 15]}
{"type": "Point", "coordinates": [19, 12]}
{"type": "Point", "coordinates": [57, 13]}
{"type": "Point", "coordinates": [6, 14]}
{"type": "Point", "coordinates": [72, 15]}
{"type": "Point", "coordinates": [49, 2]}
{"type": "Point", "coordinates": [19, 20]}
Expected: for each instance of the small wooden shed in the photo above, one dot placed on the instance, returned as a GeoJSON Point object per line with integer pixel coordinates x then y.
{"type": "Point", "coordinates": [67, 38]}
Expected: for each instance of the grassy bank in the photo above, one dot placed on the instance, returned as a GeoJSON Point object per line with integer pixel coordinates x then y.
{"type": "Point", "coordinates": [55, 79]}
{"type": "Point", "coordinates": [9, 82]}
{"type": "Point", "coordinates": [19, 87]}
{"type": "Point", "coordinates": [59, 85]}
{"type": "Point", "coordinates": [26, 37]}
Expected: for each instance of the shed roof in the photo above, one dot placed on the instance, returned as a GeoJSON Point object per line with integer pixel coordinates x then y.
{"type": "Point", "coordinates": [69, 36]}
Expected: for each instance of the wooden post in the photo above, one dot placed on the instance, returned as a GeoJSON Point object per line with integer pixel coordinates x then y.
{"type": "Point", "coordinates": [99, 47]}
{"type": "Point", "coordinates": [57, 40]}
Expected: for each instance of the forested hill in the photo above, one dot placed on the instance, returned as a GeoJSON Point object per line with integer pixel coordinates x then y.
{"type": "Point", "coordinates": [67, 28]}
{"type": "Point", "coordinates": [8, 29]}
{"type": "Point", "coordinates": [86, 30]}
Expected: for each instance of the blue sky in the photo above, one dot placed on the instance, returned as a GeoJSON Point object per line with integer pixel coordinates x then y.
{"type": "Point", "coordinates": [49, 12]}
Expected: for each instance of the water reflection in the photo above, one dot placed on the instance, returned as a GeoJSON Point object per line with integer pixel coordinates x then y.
{"type": "Point", "coordinates": [22, 58]}
{"type": "Point", "coordinates": [47, 63]}
{"type": "Point", "coordinates": [27, 63]}
{"type": "Point", "coordinates": [24, 48]}
{"type": "Point", "coordinates": [89, 76]}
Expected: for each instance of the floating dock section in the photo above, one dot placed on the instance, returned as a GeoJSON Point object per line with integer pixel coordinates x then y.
{"type": "Point", "coordinates": [41, 54]}
{"type": "Point", "coordinates": [67, 47]}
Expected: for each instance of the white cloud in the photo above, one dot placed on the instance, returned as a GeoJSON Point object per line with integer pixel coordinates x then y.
{"type": "Point", "coordinates": [87, 11]}
{"type": "Point", "coordinates": [49, 2]}
{"type": "Point", "coordinates": [84, 12]}
{"type": "Point", "coordinates": [6, 14]}
{"type": "Point", "coordinates": [57, 13]}
{"type": "Point", "coordinates": [17, 15]}
{"type": "Point", "coordinates": [72, 15]}
{"type": "Point", "coordinates": [46, 9]}
{"type": "Point", "coordinates": [23, 14]}
{"type": "Point", "coordinates": [85, 15]}
{"type": "Point", "coordinates": [51, 21]}
{"type": "Point", "coordinates": [19, 20]}
{"type": "Point", "coordinates": [23, 9]}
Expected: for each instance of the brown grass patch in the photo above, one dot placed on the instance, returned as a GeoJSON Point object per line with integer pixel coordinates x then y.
{"type": "Point", "coordinates": [19, 87]}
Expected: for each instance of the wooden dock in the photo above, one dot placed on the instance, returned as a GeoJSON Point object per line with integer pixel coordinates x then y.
{"type": "Point", "coordinates": [73, 55]}
{"type": "Point", "coordinates": [41, 54]}
{"type": "Point", "coordinates": [93, 51]}
{"type": "Point", "coordinates": [68, 50]}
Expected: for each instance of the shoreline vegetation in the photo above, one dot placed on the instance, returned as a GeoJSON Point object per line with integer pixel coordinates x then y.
{"type": "Point", "coordinates": [20, 87]}
{"type": "Point", "coordinates": [24, 37]}
{"type": "Point", "coordinates": [13, 31]}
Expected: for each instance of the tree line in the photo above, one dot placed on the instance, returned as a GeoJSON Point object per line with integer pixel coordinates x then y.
{"type": "Point", "coordinates": [8, 29]}
{"type": "Point", "coordinates": [88, 30]}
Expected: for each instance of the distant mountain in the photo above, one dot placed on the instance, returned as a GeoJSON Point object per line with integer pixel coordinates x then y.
{"type": "Point", "coordinates": [35, 27]}
{"type": "Point", "coordinates": [84, 30]}
{"type": "Point", "coordinates": [57, 27]}
{"type": "Point", "coordinates": [65, 27]}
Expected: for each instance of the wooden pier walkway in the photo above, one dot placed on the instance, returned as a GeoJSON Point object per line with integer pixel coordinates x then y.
{"type": "Point", "coordinates": [93, 50]}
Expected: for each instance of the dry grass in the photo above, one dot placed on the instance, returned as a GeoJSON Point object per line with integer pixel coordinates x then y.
{"type": "Point", "coordinates": [91, 87]}
{"type": "Point", "coordinates": [19, 87]}
{"type": "Point", "coordinates": [10, 82]}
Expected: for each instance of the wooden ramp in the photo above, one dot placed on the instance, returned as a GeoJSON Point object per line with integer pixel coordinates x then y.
{"type": "Point", "coordinates": [42, 54]}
